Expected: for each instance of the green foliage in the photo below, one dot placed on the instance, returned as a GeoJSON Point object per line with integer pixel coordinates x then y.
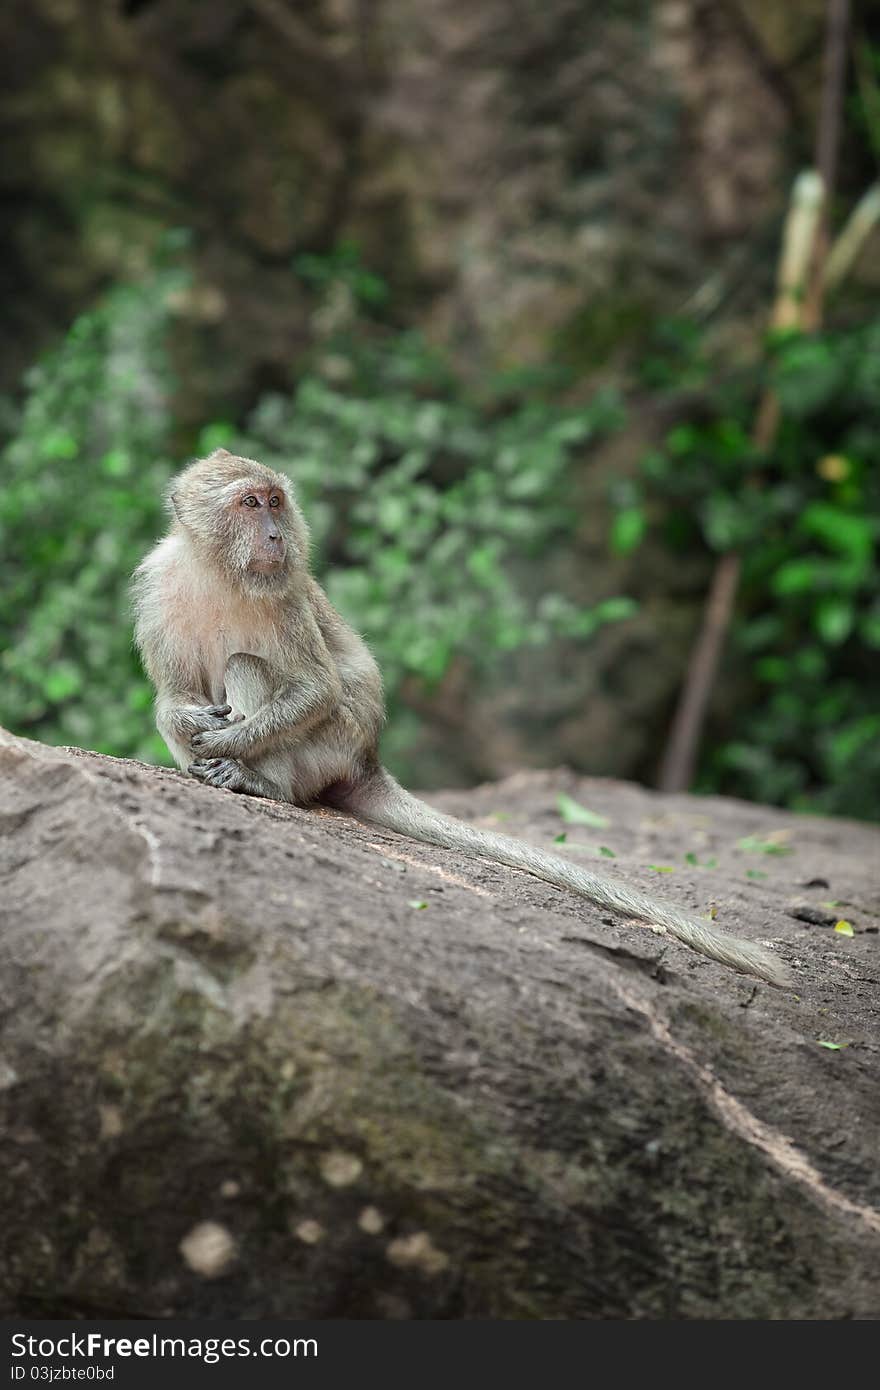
{"type": "Point", "coordinates": [82, 480]}
{"type": "Point", "coordinates": [429, 508]}
{"type": "Point", "coordinates": [421, 507]}
{"type": "Point", "coordinates": [864, 105]}
{"type": "Point", "coordinates": [433, 509]}
{"type": "Point", "coordinates": [806, 519]}
{"type": "Point", "coordinates": [343, 268]}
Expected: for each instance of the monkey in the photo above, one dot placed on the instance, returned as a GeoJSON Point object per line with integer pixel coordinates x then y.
{"type": "Point", "coordinates": [263, 688]}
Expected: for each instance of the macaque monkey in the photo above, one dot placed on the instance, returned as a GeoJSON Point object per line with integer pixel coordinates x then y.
{"type": "Point", "coordinates": [261, 687]}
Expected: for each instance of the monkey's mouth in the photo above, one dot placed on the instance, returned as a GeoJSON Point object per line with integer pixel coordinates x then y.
{"type": "Point", "coordinates": [267, 565]}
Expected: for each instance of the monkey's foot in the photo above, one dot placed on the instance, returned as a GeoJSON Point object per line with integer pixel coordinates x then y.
{"type": "Point", "coordinates": [226, 772]}
{"type": "Point", "coordinates": [221, 772]}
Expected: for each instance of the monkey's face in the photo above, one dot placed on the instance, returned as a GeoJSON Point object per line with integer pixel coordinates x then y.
{"type": "Point", "coordinates": [242, 519]}
{"type": "Point", "coordinates": [260, 521]}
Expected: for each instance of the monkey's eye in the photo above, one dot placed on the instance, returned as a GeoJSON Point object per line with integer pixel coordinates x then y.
{"type": "Point", "coordinates": [274, 501]}
{"type": "Point", "coordinates": [250, 501]}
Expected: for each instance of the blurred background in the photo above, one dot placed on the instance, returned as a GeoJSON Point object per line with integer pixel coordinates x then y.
{"type": "Point", "coordinates": [497, 285]}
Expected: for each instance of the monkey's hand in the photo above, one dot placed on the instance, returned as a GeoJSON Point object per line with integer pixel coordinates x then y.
{"type": "Point", "coordinates": [198, 719]}
{"type": "Point", "coordinates": [218, 741]}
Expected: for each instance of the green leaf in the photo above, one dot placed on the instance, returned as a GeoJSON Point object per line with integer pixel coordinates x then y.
{"type": "Point", "coordinates": [608, 853]}
{"type": "Point", "coordinates": [59, 444]}
{"type": "Point", "coordinates": [845, 928]}
{"type": "Point", "coordinates": [627, 530]}
{"type": "Point", "coordinates": [218, 435]}
{"type": "Point", "coordinates": [682, 439]}
{"type": "Point", "coordinates": [416, 903]}
{"type": "Point", "coordinates": [752, 845]}
{"type": "Point", "coordinates": [662, 868]}
{"type": "Point", "coordinates": [834, 619]}
{"type": "Point", "coordinates": [116, 463]}
{"type": "Point", "coordinates": [832, 1047]}
{"type": "Point", "coordinates": [63, 681]}
{"type": "Point", "coordinates": [795, 577]}
{"type": "Point", "coordinates": [707, 864]}
{"type": "Point", "coordinates": [869, 627]}
{"type": "Point", "coordinates": [574, 813]}
{"type": "Point", "coordinates": [849, 533]}
{"type": "Point", "coordinates": [560, 839]}
{"type": "Point", "coordinates": [614, 610]}
{"type": "Point", "coordinates": [755, 873]}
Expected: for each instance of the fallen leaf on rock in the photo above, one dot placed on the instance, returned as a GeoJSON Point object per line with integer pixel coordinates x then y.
{"type": "Point", "coordinates": [575, 814]}
{"type": "Point", "coordinates": [752, 845]}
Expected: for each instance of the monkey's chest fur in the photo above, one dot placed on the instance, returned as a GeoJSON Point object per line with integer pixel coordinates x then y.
{"type": "Point", "coordinates": [214, 629]}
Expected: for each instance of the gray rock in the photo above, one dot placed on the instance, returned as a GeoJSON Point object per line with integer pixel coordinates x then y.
{"type": "Point", "coordinates": [242, 1076]}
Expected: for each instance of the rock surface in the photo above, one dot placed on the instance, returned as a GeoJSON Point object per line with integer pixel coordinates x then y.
{"type": "Point", "coordinates": [257, 1061]}
{"type": "Point", "coordinates": [529, 178]}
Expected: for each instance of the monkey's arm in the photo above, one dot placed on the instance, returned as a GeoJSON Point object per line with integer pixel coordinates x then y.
{"type": "Point", "coordinates": [362, 705]}
{"type": "Point", "coordinates": [182, 713]}
{"type": "Point", "coordinates": [280, 710]}
{"type": "Point", "coordinates": [184, 704]}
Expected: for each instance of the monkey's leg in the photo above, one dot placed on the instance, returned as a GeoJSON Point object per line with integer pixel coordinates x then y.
{"type": "Point", "coordinates": [250, 682]}
{"type": "Point", "coordinates": [235, 777]}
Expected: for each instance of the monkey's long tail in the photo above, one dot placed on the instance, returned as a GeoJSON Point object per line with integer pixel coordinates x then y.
{"type": "Point", "coordinates": [380, 800]}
